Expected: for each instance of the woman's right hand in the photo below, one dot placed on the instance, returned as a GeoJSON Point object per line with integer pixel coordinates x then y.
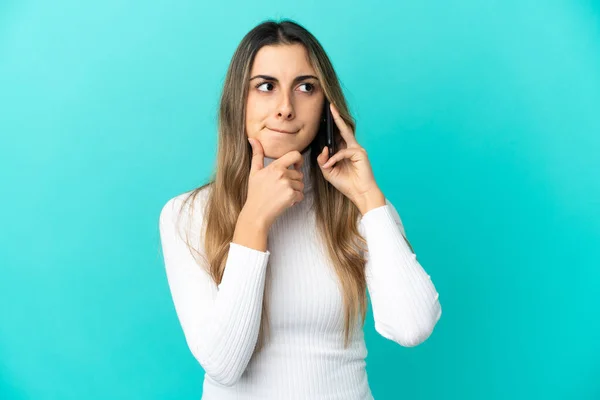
{"type": "Point", "coordinates": [275, 188]}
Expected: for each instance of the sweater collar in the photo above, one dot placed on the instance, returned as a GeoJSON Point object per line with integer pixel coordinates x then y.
{"type": "Point", "coordinates": [305, 168]}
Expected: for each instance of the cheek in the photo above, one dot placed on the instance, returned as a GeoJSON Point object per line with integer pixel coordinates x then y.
{"type": "Point", "coordinates": [311, 129]}
{"type": "Point", "coordinates": [315, 121]}
{"type": "Point", "coordinates": [254, 110]}
{"type": "Point", "coordinates": [316, 111]}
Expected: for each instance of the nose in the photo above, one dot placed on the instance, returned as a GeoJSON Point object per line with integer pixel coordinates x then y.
{"type": "Point", "coordinates": [285, 109]}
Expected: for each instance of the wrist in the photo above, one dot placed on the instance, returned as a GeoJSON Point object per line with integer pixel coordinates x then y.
{"type": "Point", "coordinates": [250, 232]}
{"type": "Point", "coordinates": [253, 220]}
{"type": "Point", "coordinates": [370, 200]}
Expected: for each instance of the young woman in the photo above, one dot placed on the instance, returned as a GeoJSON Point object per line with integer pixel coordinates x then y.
{"type": "Point", "coordinates": [270, 262]}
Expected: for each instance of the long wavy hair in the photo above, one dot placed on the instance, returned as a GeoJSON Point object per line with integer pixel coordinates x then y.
{"type": "Point", "coordinates": [336, 216]}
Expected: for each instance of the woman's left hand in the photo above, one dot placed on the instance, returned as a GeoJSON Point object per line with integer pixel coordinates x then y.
{"type": "Point", "coordinates": [349, 169]}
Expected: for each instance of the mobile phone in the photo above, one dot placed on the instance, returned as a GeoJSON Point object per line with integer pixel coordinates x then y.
{"type": "Point", "coordinates": [329, 122]}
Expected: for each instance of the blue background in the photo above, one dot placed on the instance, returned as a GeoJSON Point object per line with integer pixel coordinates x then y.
{"type": "Point", "coordinates": [482, 122]}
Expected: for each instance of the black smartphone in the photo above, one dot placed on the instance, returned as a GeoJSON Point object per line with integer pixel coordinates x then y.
{"type": "Point", "coordinates": [329, 122]}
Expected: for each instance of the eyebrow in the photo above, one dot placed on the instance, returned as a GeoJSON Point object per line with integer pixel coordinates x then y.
{"type": "Point", "coordinates": [296, 79]}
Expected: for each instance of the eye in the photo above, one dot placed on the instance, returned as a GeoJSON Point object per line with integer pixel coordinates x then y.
{"type": "Point", "coordinates": [310, 85]}
{"type": "Point", "coordinates": [263, 83]}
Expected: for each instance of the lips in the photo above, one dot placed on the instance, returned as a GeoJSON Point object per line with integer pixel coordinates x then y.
{"type": "Point", "coordinates": [281, 130]}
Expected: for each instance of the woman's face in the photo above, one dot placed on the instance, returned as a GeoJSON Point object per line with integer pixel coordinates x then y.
{"type": "Point", "coordinates": [284, 95]}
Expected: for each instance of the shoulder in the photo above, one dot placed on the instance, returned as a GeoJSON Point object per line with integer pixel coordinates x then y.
{"type": "Point", "coordinates": [188, 206]}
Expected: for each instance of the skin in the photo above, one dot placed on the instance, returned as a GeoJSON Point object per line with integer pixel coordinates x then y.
{"type": "Point", "coordinates": [285, 104]}
{"type": "Point", "coordinates": [293, 104]}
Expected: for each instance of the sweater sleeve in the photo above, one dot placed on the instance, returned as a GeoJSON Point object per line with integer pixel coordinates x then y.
{"type": "Point", "coordinates": [220, 323]}
{"type": "Point", "coordinates": [405, 302]}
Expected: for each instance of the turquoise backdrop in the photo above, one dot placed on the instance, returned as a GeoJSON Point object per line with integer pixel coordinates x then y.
{"type": "Point", "coordinates": [482, 121]}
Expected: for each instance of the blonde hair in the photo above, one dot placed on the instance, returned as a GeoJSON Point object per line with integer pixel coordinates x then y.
{"type": "Point", "coordinates": [336, 216]}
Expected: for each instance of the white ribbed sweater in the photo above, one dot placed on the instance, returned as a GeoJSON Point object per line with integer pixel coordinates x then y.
{"type": "Point", "coordinates": [304, 357]}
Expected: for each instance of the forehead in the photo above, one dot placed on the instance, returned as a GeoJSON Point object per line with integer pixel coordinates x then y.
{"type": "Point", "coordinates": [282, 61]}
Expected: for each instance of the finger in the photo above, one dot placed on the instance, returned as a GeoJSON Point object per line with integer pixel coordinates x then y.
{"type": "Point", "coordinates": [290, 158]}
{"type": "Point", "coordinates": [297, 185]}
{"type": "Point", "coordinates": [297, 198]}
{"type": "Point", "coordinates": [324, 156]}
{"type": "Point", "coordinates": [293, 174]}
{"type": "Point", "coordinates": [298, 166]}
{"type": "Point", "coordinates": [340, 155]}
{"type": "Point", "coordinates": [257, 155]}
{"type": "Point", "coordinates": [345, 130]}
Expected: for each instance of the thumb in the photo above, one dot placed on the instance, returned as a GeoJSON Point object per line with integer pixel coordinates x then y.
{"type": "Point", "coordinates": [322, 159]}
{"type": "Point", "coordinates": [257, 155]}
{"type": "Point", "coordinates": [324, 156]}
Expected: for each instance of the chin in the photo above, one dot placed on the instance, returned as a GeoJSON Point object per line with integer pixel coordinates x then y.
{"type": "Point", "coordinates": [277, 149]}
{"type": "Point", "coordinates": [276, 146]}
{"type": "Point", "coordinates": [276, 153]}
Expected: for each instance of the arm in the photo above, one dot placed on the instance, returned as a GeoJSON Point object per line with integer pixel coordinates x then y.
{"type": "Point", "coordinates": [220, 323]}
{"type": "Point", "coordinates": [405, 302]}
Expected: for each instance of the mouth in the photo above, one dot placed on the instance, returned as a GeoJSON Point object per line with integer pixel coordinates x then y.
{"type": "Point", "coordinates": [281, 131]}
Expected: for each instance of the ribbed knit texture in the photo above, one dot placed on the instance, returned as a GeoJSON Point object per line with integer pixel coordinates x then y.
{"type": "Point", "coordinates": [304, 356]}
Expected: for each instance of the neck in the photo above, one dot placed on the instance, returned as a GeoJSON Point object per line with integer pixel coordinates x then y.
{"type": "Point", "coordinates": [305, 168]}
